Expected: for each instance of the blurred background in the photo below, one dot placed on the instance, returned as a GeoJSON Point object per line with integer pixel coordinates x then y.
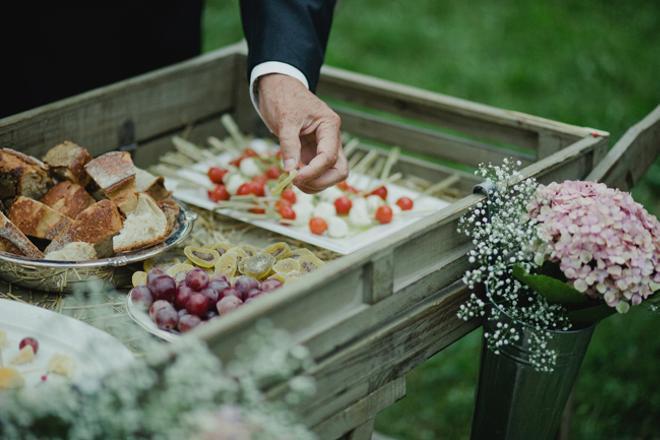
{"type": "Point", "coordinates": [592, 63]}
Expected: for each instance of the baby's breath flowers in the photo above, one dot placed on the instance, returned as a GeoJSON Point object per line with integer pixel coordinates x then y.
{"type": "Point", "coordinates": [606, 246]}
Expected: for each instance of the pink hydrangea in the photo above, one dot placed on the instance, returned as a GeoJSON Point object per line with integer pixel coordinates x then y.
{"type": "Point", "coordinates": [606, 244]}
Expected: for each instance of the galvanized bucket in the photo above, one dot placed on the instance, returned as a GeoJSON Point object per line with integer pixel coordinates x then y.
{"type": "Point", "coordinates": [514, 401]}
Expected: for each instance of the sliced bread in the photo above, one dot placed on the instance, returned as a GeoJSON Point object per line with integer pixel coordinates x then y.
{"type": "Point", "coordinates": [12, 240]}
{"type": "Point", "coordinates": [22, 175]}
{"type": "Point", "coordinates": [153, 185]}
{"type": "Point", "coordinates": [145, 226]}
{"type": "Point", "coordinates": [171, 209]}
{"type": "Point", "coordinates": [67, 161]}
{"type": "Point", "coordinates": [37, 219]}
{"type": "Point", "coordinates": [114, 173]}
{"type": "Point", "coordinates": [74, 251]}
{"type": "Point", "coordinates": [68, 198]}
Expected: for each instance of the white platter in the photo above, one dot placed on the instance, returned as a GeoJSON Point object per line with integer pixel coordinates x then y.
{"type": "Point", "coordinates": [424, 205]}
{"type": "Point", "coordinates": [142, 319]}
{"type": "Point", "coordinates": [93, 351]}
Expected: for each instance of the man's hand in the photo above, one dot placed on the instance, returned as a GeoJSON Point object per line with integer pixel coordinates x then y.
{"type": "Point", "coordinates": [308, 131]}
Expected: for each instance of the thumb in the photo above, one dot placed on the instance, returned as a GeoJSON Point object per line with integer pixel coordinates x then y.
{"type": "Point", "coordinates": [290, 145]}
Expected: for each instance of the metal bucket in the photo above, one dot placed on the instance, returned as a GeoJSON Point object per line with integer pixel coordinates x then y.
{"type": "Point", "coordinates": [514, 401]}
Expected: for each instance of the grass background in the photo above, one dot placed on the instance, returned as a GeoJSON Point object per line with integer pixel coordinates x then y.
{"type": "Point", "coordinates": [586, 62]}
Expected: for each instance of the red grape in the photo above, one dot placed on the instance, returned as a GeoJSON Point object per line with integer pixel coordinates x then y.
{"type": "Point", "coordinates": [227, 304]}
{"type": "Point", "coordinates": [254, 293]}
{"type": "Point", "coordinates": [156, 306]}
{"type": "Point", "coordinates": [31, 342]}
{"type": "Point", "coordinates": [183, 293]}
{"type": "Point", "coordinates": [198, 304]}
{"type": "Point", "coordinates": [244, 284]}
{"type": "Point", "coordinates": [183, 312]}
{"type": "Point", "coordinates": [211, 295]}
{"type": "Point", "coordinates": [188, 322]}
{"type": "Point", "coordinates": [153, 273]}
{"type": "Point", "coordinates": [212, 313]}
{"type": "Point", "coordinates": [270, 284]}
{"type": "Point", "coordinates": [162, 287]}
{"type": "Point", "coordinates": [197, 279]}
{"type": "Point", "coordinates": [141, 295]}
{"type": "Point", "coordinates": [219, 284]}
{"type": "Point", "coordinates": [167, 318]}
{"type": "Point", "coordinates": [230, 292]}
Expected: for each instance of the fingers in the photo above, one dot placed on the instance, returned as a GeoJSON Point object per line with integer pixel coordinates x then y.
{"type": "Point", "coordinates": [290, 145]}
{"type": "Point", "coordinates": [336, 174]}
{"type": "Point", "coordinates": [327, 151]}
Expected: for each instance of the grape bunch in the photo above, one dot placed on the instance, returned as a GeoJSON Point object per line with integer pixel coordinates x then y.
{"type": "Point", "coordinates": [197, 298]}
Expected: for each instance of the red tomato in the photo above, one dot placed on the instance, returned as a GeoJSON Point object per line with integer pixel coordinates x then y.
{"type": "Point", "coordinates": [249, 152]}
{"type": "Point", "coordinates": [343, 185]}
{"type": "Point", "coordinates": [245, 189]}
{"type": "Point", "coordinates": [317, 225]}
{"type": "Point", "coordinates": [289, 195]}
{"type": "Point", "coordinates": [273, 172]}
{"type": "Point", "coordinates": [381, 192]}
{"type": "Point", "coordinates": [218, 193]}
{"type": "Point", "coordinates": [282, 202]}
{"type": "Point", "coordinates": [384, 214]}
{"type": "Point", "coordinates": [258, 189]}
{"type": "Point", "coordinates": [261, 179]}
{"type": "Point", "coordinates": [343, 205]}
{"type": "Point", "coordinates": [258, 211]}
{"type": "Point", "coordinates": [216, 174]}
{"type": "Point", "coordinates": [405, 203]}
{"type": "Point", "coordinates": [287, 212]}
{"type": "Point", "coordinates": [236, 162]}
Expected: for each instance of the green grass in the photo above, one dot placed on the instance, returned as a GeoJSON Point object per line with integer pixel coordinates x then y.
{"type": "Point", "coordinates": [584, 62]}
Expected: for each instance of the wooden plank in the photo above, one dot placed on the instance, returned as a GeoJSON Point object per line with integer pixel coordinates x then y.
{"type": "Point", "coordinates": [632, 155]}
{"type": "Point", "coordinates": [472, 118]}
{"type": "Point", "coordinates": [420, 140]}
{"type": "Point", "coordinates": [357, 419]}
{"type": "Point", "coordinates": [156, 102]}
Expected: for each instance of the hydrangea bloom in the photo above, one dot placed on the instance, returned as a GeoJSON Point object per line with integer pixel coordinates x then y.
{"type": "Point", "coordinates": [605, 243]}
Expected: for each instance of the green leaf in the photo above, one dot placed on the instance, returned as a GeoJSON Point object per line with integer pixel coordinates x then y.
{"type": "Point", "coordinates": [590, 315]}
{"type": "Point", "coordinates": [554, 290]}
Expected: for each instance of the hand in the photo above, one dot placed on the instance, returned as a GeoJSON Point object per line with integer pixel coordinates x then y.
{"type": "Point", "coordinates": [308, 131]}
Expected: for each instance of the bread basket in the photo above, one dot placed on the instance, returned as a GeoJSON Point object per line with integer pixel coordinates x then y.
{"type": "Point", "coordinates": [63, 276]}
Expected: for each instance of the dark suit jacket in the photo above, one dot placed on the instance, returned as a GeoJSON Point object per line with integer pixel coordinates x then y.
{"type": "Point", "coordinates": [51, 50]}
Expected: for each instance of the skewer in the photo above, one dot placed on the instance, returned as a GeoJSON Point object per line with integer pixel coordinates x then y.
{"type": "Point", "coordinates": [353, 161]}
{"type": "Point", "coordinates": [444, 184]}
{"type": "Point", "coordinates": [350, 146]}
{"type": "Point", "coordinates": [366, 161]}
{"type": "Point", "coordinates": [192, 151]}
{"type": "Point", "coordinates": [392, 158]}
{"type": "Point", "coordinates": [221, 146]}
{"type": "Point", "coordinates": [233, 130]}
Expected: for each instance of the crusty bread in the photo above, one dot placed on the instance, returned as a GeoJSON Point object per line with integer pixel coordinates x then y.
{"type": "Point", "coordinates": [74, 251]}
{"type": "Point", "coordinates": [95, 225]}
{"type": "Point", "coordinates": [68, 198]}
{"type": "Point", "coordinates": [67, 161]}
{"type": "Point", "coordinates": [22, 175]}
{"type": "Point", "coordinates": [36, 219]}
{"type": "Point", "coordinates": [14, 241]}
{"type": "Point", "coordinates": [153, 185]}
{"type": "Point", "coordinates": [114, 173]}
{"type": "Point", "coordinates": [145, 226]}
{"type": "Point", "coordinates": [171, 210]}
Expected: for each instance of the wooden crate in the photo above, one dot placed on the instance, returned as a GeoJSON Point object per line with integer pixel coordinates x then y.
{"type": "Point", "coordinates": [371, 316]}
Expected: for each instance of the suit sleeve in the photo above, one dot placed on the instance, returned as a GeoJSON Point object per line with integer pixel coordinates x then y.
{"type": "Point", "coordinates": [294, 32]}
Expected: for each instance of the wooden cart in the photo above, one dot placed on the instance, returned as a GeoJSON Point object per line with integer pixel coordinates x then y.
{"type": "Point", "coordinates": [370, 317]}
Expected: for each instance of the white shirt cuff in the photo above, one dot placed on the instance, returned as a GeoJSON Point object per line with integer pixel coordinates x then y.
{"type": "Point", "coordinates": [269, 67]}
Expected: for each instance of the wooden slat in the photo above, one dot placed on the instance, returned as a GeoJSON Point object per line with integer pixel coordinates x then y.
{"type": "Point", "coordinates": [474, 119]}
{"type": "Point", "coordinates": [632, 155]}
{"type": "Point", "coordinates": [358, 418]}
{"type": "Point", "coordinates": [156, 102]}
{"type": "Point", "coordinates": [420, 140]}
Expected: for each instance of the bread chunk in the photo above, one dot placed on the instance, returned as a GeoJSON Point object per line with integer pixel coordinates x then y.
{"type": "Point", "coordinates": [36, 219]}
{"type": "Point", "coordinates": [152, 185]}
{"type": "Point", "coordinates": [114, 173]}
{"type": "Point", "coordinates": [145, 226]}
{"type": "Point", "coordinates": [171, 210]}
{"type": "Point", "coordinates": [95, 225]}
{"type": "Point", "coordinates": [22, 175]}
{"type": "Point", "coordinates": [12, 240]}
{"type": "Point", "coordinates": [68, 198]}
{"type": "Point", "coordinates": [67, 161]}
{"type": "Point", "coordinates": [74, 251]}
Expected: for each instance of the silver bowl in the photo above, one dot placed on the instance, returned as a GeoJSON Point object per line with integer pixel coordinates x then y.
{"type": "Point", "coordinates": [63, 276]}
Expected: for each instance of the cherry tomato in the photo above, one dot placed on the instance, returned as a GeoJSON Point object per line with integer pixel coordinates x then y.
{"type": "Point", "coordinates": [273, 172]}
{"type": "Point", "coordinates": [381, 192]}
{"type": "Point", "coordinates": [405, 203]}
{"type": "Point", "coordinates": [343, 185]}
{"type": "Point", "coordinates": [216, 174]}
{"type": "Point", "coordinates": [343, 205]}
{"type": "Point", "coordinates": [236, 162]}
{"type": "Point", "coordinates": [317, 225]}
{"type": "Point", "coordinates": [282, 202]}
{"type": "Point", "coordinates": [384, 214]}
{"type": "Point", "coordinates": [289, 195]}
{"type": "Point", "coordinates": [218, 193]}
{"type": "Point", "coordinates": [249, 152]}
{"type": "Point", "coordinates": [287, 212]}
{"type": "Point", "coordinates": [245, 189]}
{"type": "Point", "coordinates": [261, 179]}
{"type": "Point", "coordinates": [258, 211]}
{"type": "Point", "coordinates": [258, 189]}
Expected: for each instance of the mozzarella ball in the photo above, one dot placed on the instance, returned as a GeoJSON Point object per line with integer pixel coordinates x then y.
{"type": "Point", "coordinates": [233, 182]}
{"type": "Point", "coordinates": [331, 194]}
{"type": "Point", "coordinates": [337, 228]}
{"type": "Point", "coordinates": [373, 202]}
{"type": "Point", "coordinates": [249, 167]}
{"type": "Point", "coordinates": [359, 214]}
{"type": "Point", "coordinates": [260, 146]}
{"type": "Point", "coordinates": [303, 197]}
{"type": "Point", "coordinates": [325, 210]}
{"type": "Point", "coordinates": [303, 213]}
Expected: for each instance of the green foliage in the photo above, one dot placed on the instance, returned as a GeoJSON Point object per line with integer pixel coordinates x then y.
{"type": "Point", "coordinates": [586, 62]}
{"type": "Point", "coordinates": [554, 290]}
